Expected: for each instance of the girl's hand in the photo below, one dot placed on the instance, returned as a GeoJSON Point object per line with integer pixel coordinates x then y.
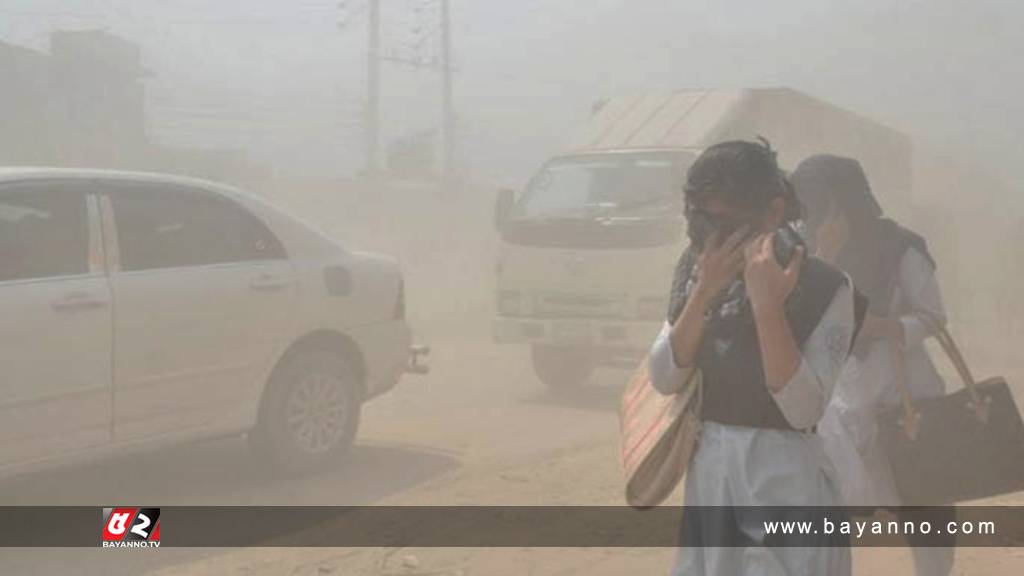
{"type": "Point", "coordinates": [718, 265]}
{"type": "Point", "coordinates": [768, 284]}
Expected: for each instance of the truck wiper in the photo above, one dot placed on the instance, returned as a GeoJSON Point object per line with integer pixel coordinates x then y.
{"type": "Point", "coordinates": [582, 212]}
{"type": "Point", "coordinates": [656, 201]}
{"type": "Point", "coordinates": [598, 211]}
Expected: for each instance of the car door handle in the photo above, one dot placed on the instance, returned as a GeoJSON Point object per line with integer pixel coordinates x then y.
{"type": "Point", "coordinates": [269, 283]}
{"type": "Point", "coordinates": [77, 302]}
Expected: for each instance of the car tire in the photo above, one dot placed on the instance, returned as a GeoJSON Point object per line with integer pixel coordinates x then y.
{"type": "Point", "coordinates": [310, 413]}
{"type": "Point", "coordinates": [562, 368]}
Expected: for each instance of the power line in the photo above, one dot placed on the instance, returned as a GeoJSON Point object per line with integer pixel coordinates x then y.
{"type": "Point", "coordinates": [447, 104]}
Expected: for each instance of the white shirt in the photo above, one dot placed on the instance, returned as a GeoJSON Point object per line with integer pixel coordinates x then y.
{"type": "Point", "coordinates": [870, 382]}
{"type": "Point", "coordinates": [917, 292]}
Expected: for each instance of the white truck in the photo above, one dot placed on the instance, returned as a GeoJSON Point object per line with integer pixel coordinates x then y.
{"type": "Point", "coordinates": [587, 248]}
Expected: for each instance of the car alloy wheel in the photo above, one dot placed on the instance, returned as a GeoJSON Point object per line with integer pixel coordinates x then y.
{"type": "Point", "coordinates": [317, 412]}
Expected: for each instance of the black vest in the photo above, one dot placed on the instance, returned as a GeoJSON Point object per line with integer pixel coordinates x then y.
{"type": "Point", "coordinates": [872, 259]}
{"type": "Point", "coordinates": [729, 356]}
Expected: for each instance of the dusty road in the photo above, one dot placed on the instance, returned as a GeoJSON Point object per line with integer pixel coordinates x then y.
{"type": "Point", "coordinates": [478, 430]}
{"type": "Point", "coordinates": [479, 410]}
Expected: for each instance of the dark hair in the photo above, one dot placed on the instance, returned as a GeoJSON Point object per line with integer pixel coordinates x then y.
{"type": "Point", "coordinates": [824, 180]}
{"type": "Point", "coordinates": [740, 172]}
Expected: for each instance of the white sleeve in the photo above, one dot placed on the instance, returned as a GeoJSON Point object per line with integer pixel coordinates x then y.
{"type": "Point", "coordinates": [803, 399]}
{"type": "Point", "coordinates": [667, 376]}
{"type": "Point", "coordinates": [921, 293]}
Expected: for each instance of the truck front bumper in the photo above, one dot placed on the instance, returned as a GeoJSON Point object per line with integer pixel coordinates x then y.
{"type": "Point", "coordinates": [631, 335]}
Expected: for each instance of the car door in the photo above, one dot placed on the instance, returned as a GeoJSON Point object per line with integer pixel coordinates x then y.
{"type": "Point", "coordinates": [203, 291]}
{"type": "Point", "coordinates": [55, 333]}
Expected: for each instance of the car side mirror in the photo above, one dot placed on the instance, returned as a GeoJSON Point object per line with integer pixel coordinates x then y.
{"type": "Point", "coordinates": [503, 204]}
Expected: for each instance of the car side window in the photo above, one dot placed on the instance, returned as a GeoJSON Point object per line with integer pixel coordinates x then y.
{"type": "Point", "coordinates": [43, 232]}
{"type": "Point", "coordinates": [173, 226]}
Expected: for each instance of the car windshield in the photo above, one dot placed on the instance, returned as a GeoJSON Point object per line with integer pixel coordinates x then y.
{"type": "Point", "coordinates": [612, 184]}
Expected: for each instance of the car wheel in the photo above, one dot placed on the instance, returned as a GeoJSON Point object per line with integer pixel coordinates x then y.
{"type": "Point", "coordinates": [310, 415]}
{"type": "Point", "coordinates": [562, 368]}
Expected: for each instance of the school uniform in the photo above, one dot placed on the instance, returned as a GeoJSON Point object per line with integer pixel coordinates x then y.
{"type": "Point", "coordinates": [758, 448]}
{"type": "Point", "coordinates": [869, 383]}
{"type": "Point", "coordinates": [892, 267]}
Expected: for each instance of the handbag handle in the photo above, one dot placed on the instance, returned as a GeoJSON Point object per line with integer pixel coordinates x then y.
{"type": "Point", "coordinates": [945, 339]}
{"type": "Point", "coordinates": [953, 352]}
{"type": "Point", "coordinates": [911, 418]}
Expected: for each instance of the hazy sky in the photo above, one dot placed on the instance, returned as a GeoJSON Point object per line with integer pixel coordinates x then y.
{"type": "Point", "coordinates": [279, 76]}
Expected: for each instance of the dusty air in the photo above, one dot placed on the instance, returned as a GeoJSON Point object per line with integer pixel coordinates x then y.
{"type": "Point", "coordinates": [450, 287]}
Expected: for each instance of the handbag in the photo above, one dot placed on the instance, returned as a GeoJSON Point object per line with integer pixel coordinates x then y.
{"type": "Point", "coordinates": [962, 446]}
{"type": "Point", "coordinates": [659, 435]}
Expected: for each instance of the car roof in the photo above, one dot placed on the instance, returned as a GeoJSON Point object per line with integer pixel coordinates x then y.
{"type": "Point", "coordinates": [22, 173]}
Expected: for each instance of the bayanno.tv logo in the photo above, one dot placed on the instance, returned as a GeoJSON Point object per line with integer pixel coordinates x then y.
{"type": "Point", "coordinates": [131, 528]}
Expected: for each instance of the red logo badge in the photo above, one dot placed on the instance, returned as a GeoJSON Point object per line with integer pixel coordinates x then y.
{"type": "Point", "coordinates": [131, 528]}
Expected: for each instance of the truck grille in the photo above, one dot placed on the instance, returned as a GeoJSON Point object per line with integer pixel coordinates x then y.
{"type": "Point", "coordinates": [578, 305]}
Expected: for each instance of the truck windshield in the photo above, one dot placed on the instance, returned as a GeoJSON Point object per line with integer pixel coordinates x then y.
{"type": "Point", "coordinates": [609, 184]}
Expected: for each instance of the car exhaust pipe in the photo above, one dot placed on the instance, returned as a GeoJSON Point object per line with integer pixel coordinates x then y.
{"type": "Point", "coordinates": [416, 351]}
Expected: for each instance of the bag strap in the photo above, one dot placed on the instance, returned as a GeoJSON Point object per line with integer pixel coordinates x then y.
{"type": "Point", "coordinates": [979, 405]}
{"type": "Point", "coordinates": [953, 352]}
{"type": "Point", "coordinates": [911, 418]}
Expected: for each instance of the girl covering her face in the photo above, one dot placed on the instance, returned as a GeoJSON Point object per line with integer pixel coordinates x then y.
{"type": "Point", "coordinates": [769, 340]}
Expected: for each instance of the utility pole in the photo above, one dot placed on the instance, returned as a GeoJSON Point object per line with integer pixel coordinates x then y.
{"type": "Point", "coordinates": [373, 63]}
{"type": "Point", "coordinates": [447, 108]}
{"type": "Point", "coordinates": [373, 89]}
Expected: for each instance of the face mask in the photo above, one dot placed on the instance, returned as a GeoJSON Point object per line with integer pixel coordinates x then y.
{"type": "Point", "coordinates": [701, 226]}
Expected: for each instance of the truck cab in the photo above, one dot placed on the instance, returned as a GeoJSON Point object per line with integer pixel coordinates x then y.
{"type": "Point", "coordinates": [587, 247]}
{"type": "Point", "coordinates": [587, 251]}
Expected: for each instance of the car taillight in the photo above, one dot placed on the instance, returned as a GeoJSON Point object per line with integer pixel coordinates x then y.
{"type": "Point", "coordinates": [400, 300]}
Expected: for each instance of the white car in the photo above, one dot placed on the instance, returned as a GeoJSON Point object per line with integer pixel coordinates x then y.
{"type": "Point", "coordinates": [139, 310]}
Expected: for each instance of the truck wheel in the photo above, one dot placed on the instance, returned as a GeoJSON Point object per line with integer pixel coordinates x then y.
{"type": "Point", "coordinates": [561, 368]}
{"type": "Point", "coordinates": [310, 415]}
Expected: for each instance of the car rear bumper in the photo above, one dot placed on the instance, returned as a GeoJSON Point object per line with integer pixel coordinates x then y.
{"type": "Point", "coordinates": [385, 350]}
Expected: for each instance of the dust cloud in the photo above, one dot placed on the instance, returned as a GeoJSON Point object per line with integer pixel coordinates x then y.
{"type": "Point", "coordinates": [275, 97]}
